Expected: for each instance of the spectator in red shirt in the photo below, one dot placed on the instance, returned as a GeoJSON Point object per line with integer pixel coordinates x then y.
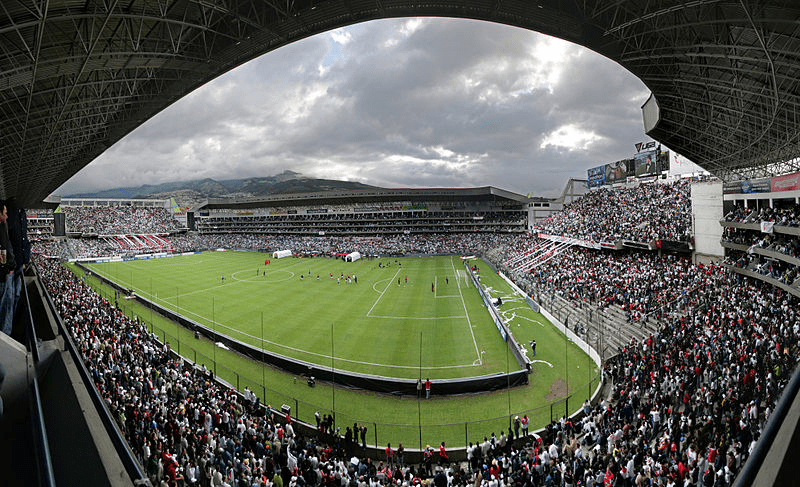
{"type": "Point", "coordinates": [389, 454]}
{"type": "Point", "coordinates": [608, 481]}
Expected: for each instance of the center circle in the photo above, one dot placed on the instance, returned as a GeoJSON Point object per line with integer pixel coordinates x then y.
{"type": "Point", "coordinates": [261, 277]}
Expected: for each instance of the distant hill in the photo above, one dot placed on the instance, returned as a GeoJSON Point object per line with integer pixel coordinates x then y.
{"type": "Point", "coordinates": [284, 183]}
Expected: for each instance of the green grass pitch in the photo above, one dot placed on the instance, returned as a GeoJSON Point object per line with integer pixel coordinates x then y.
{"type": "Point", "coordinates": [410, 316]}
{"type": "Point", "coordinates": [194, 283]}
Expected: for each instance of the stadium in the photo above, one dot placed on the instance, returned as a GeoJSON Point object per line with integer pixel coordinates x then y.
{"type": "Point", "coordinates": [642, 331]}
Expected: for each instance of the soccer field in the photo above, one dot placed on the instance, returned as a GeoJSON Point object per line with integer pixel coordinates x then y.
{"type": "Point", "coordinates": [560, 369]}
{"type": "Point", "coordinates": [407, 317]}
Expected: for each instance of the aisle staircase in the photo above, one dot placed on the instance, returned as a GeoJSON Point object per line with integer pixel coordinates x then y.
{"type": "Point", "coordinates": [606, 330]}
{"type": "Point", "coordinates": [538, 255]}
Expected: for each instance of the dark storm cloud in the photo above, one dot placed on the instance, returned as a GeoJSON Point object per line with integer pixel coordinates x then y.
{"type": "Point", "coordinates": [401, 103]}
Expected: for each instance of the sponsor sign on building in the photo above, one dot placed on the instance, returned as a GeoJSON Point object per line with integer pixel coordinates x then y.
{"type": "Point", "coordinates": [746, 187]}
{"type": "Point", "coordinates": [644, 146]}
{"type": "Point", "coordinates": [788, 182]}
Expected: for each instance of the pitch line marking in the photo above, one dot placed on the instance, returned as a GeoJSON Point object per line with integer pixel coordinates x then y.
{"type": "Point", "coordinates": [469, 322]}
{"type": "Point", "coordinates": [436, 294]}
{"type": "Point", "coordinates": [416, 317]}
{"type": "Point", "coordinates": [378, 282]}
{"type": "Point", "coordinates": [256, 280]}
{"type": "Point", "coordinates": [382, 293]}
{"type": "Point", "coordinates": [218, 325]}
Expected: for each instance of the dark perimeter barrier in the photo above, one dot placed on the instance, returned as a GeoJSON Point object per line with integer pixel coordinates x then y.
{"type": "Point", "coordinates": [502, 328]}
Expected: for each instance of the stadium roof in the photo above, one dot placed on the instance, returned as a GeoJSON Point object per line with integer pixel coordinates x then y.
{"type": "Point", "coordinates": [365, 196]}
{"type": "Point", "coordinates": [77, 76]}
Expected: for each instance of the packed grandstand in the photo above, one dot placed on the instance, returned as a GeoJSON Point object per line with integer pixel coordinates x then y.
{"type": "Point", "coordinates": [705, 352]}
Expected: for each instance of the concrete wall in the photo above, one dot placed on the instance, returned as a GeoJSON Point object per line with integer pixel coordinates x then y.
{"type": "Point", "coordinates": [706, 214]}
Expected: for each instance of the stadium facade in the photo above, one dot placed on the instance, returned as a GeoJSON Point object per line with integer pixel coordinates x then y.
{"type": "Point", "coordinates": [367, 213]}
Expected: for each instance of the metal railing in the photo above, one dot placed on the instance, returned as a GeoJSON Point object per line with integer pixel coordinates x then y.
{"type": "Point", "coordinates": [44, 463]}
{"type": "Point", "coordinates": [753, 464]}
{"type": "Point", "coordinates": [126, 455]}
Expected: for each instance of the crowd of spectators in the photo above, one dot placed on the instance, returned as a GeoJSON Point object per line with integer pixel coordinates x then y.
{"type": "Point", "coordinates": [699, 393]}
{"type": "Point", "coordinates": [367, 222]}
{"type": "Point", "coordinates": [119, 220]}
{"type": "Point", "coordinates": [758, 258]}
{"type": "Point", "coordinates": [640, 283]}
{"type": "Point", "coordinates": [784, 244]}
{"type": "Point", "coordinates": [180, 423]}
{"type": "Point", "coordinates": [399, 244]}
{"type": "Point", "coordinates": [786, 216]}
{"type": "Point", "coordinates": [781, 271]}
{"type": "Point", "coordinates": [686, 404]}
{"type": "Point", "coordinates": [643, 213]}
{"type": "Point", "coordinates": [89, 247]}
{"type": "Point", "coordinates": [686, 408]}
{"type": "Point", "coordinates": [52, 248]}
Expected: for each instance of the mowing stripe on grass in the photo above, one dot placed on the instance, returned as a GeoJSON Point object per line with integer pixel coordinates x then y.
{"type": "Point", "coordinates": [290, 314]}
{"type": "Point", "coordinates": [216, 325]}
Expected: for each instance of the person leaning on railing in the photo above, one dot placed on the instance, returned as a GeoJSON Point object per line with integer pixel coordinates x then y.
{"type": "Point", "coordinates": [7, 268]}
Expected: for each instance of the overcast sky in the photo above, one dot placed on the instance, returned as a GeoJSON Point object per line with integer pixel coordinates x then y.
{"type": "Point", "coordinates": [395, 103]}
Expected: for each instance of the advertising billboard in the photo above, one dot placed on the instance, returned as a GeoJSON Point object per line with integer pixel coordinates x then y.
{"type": "Point", "coordinates": [789, 182]}
{"type": "Point", "coordinates": [746, 187]}
{"type": "Point", "coordinates": [645, 164]}
{"type": "Point", "coordinates": [617, 172]}
{"type": "Point", "coordinates": [596, 176]}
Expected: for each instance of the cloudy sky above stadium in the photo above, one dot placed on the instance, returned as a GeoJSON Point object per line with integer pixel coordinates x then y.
{"type": "Point", "coordinates": [395, 103]}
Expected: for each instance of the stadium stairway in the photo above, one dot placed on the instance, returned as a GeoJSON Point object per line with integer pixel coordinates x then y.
{"type": "Point", "coordinates": [606, 330]}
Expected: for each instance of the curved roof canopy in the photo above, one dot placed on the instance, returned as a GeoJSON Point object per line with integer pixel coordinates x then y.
{"type": "Point", "coordinates": [78, 75]}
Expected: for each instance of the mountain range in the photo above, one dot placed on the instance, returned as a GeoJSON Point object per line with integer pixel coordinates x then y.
{"type": "Point", "coordinates": [284, 183]}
